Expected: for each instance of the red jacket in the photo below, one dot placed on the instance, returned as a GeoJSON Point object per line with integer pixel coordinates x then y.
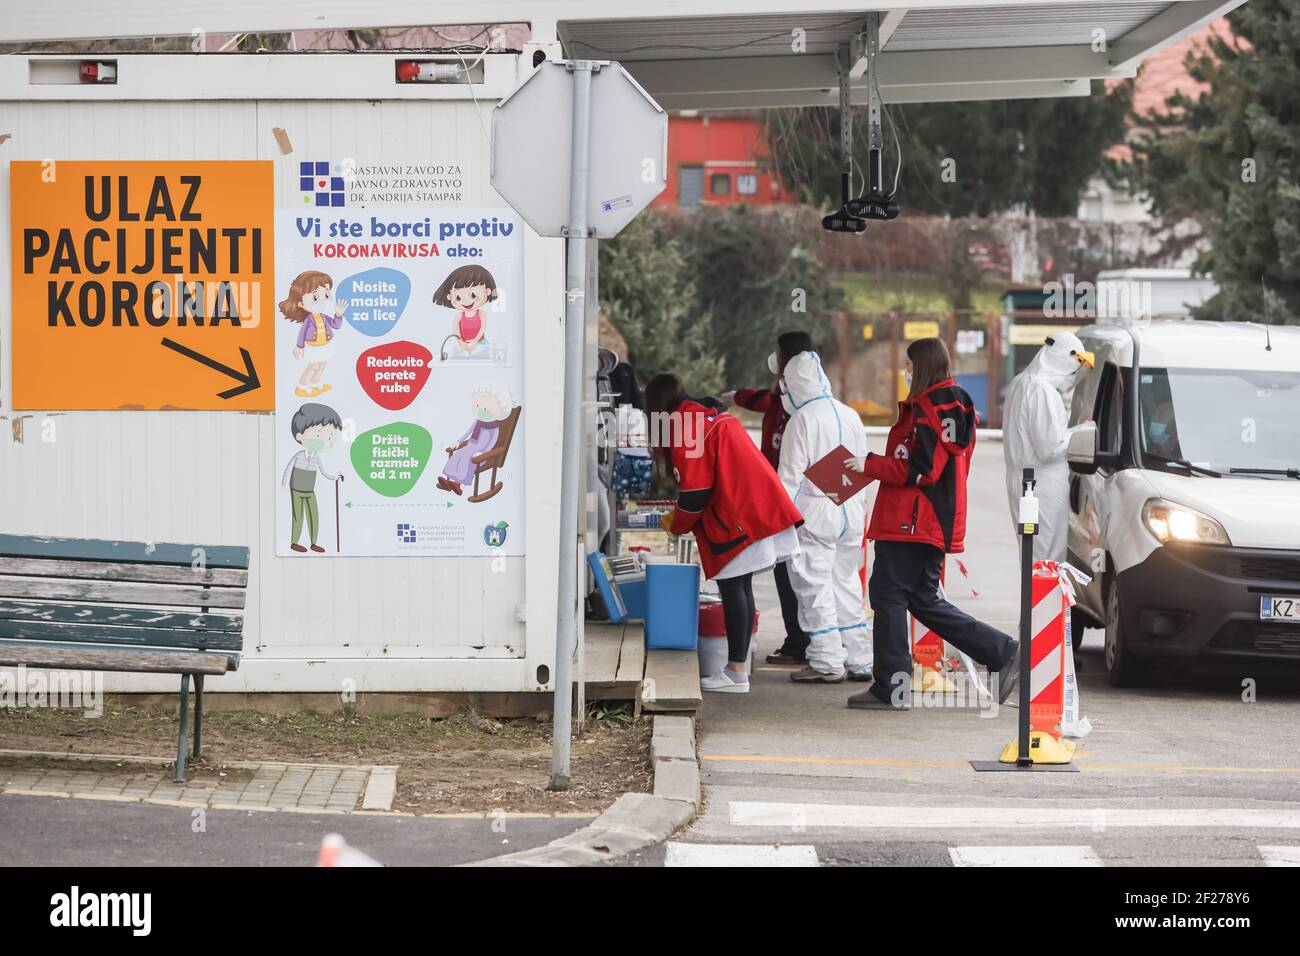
{"type": "Point", "coordinates": [767, 401]}
{"type": "Point", "coordinates": [727, 494]}
{"type": "Point", "coordinates": [922, 475]}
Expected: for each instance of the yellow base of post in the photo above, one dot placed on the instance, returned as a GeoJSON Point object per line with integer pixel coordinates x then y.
{"type": "Point", "coordinates": [1043, 748]}
{"type": "Point", "coordinates": [927, 680]}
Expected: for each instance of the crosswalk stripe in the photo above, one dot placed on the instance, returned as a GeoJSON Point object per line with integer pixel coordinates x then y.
{"type": "Point", "coordinates": [721, 854]}
{"type": "Point", "coordinates": [1280, 855]}
{"type": "Point", "coordinates": [976, 855]}
{"type": "Point", "coordinates": [1024, 856]}
{"type": "Point", "coordinates": [801, 815]}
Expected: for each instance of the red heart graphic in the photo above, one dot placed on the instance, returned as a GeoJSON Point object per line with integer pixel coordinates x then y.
{"type": "Point", "coordinates": [394, 373]}
{"type": "Point", "coordinates": [322, 184]}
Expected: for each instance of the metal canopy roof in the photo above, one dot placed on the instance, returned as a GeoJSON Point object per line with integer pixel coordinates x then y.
{"type": "Point", "coordinates": [717, 54]}
{"type": "Point", "coordinates": [931, 51]}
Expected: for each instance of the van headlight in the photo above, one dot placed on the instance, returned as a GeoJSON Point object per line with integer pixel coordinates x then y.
{"type": "Point", "coordinates": [1174, 522]}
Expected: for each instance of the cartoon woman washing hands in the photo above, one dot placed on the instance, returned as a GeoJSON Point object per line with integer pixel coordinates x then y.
{"type": "Point", "coordinates": [311, 304]}
{"type": "Point", "coordinates": [467, 290]}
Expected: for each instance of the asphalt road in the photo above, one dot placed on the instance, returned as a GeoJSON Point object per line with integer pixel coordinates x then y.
{"type": "Point", "coordinates": [54, 831]}
{"type": "Point", "coordinates": [1185, 772]}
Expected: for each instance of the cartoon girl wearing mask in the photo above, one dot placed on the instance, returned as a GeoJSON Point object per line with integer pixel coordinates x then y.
{"type": "Point", "coordinates": [311, 304]}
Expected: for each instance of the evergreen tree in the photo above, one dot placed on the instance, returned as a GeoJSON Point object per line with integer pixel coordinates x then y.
{"type": "Point", "coordinates": [757, 276]}
{"type": "Point", "coordinates": [646, 293]}
{"type": "Point", "coordinates": [1229, 158]}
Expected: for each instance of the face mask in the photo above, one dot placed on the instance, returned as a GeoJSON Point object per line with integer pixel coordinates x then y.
{"type": "Point", "coordinates": [786, 401]}
{"type": "Point", "coordinates": [772, 365]}
{"type": "Point", "coordinates": [484, 415]}
{"type": "Point", "coordinates": [313, 445]}
{"type": "Point", "coordinates": [1157, 432]}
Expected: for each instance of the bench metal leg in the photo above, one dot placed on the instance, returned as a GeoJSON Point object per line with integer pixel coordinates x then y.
{"type": "Point", "coordinates": [185, 727]}
{"type": "Point", "coordinates": [198, 713]}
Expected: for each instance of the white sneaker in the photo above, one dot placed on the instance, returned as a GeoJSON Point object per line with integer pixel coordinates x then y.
{"type": "Point", "coordinates": [722, 683]}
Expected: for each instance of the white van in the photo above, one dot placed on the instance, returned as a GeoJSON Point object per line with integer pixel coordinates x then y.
{"type": "Point", "coordinates": [1185, 492]}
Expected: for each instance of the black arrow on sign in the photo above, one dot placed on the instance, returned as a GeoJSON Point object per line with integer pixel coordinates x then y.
{"type": "Point", "coordinates": [248, 378]}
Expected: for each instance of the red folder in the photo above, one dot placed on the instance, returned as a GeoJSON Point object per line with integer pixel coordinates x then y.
{"type": "Point", "coordinates": [836, 481]}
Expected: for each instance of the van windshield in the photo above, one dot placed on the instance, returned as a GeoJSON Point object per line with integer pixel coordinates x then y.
{"type": "Point", "coordinates": [1220, 419]}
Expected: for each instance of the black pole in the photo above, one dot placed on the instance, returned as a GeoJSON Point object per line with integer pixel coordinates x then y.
{"type": "Point", "coordinates": [1027, 532]}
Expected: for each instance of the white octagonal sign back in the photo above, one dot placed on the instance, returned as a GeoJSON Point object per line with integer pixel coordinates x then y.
{"type": "Point", "coordinates": [531, 146]}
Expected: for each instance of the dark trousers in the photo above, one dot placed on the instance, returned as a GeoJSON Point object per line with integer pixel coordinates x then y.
{"type": "Point", "coordinates": [905, 577]}
{"type": "Point", "coordinates": [796, 641]}
{"type": "Point", "coordinates": [738, 612]}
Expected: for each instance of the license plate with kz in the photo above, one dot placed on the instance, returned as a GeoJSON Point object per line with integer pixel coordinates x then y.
{"type": "Point", "coordinates": [1273, 608]}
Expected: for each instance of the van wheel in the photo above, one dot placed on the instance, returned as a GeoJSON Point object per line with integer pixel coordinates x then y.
{"type": "Point", "coordinates": [1123, 669]}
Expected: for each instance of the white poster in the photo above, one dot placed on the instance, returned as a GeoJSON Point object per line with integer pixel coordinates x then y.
{"type": "Point", "coordinates": [399, 381]}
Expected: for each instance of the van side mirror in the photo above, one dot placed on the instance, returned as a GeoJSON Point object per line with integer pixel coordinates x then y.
{"type": "Point", "coordinates": [1081, 450]}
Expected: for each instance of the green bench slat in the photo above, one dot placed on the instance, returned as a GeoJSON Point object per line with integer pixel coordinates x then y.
{"type": "Point", "coordinates": [92, 657]}
{"type": "Point", "coordinates": [121, 616]}
{"type": "Point", "coordinates": [113, 592]}
{"type": "Point", "coordinates": [95, 549]}
{"type": "Point", "coordinates": [124, 571]}
{"type": "Point", "coordinates": [125, 636]}
{"type": "Point", "coordinates": [93, 604]}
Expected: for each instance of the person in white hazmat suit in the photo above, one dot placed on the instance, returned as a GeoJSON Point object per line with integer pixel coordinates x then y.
{"type": "Point", "coordinates": [1035, 433]}
{"type": "Point", "coordinates": [825, 573]}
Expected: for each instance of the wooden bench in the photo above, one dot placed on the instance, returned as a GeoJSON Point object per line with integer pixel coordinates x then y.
{"type": "Point", "coordinates": [83, 604]}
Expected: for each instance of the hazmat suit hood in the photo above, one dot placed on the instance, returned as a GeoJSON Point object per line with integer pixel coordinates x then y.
{"type": "Point", "coordinates": [1059, 360]}
{"type": "Point", "coordinates": [804, 382]}
{"type": "Point", "coordinates": [1036, 434]}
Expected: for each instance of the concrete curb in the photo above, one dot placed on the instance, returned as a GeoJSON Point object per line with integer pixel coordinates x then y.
{"type": "Point", "coordinates": [381, 787]}
{"type": "Point", "coordinates": [635, 820]}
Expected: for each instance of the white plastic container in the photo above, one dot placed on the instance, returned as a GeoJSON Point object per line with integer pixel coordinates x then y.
{"type": "Point", "coordinates": [713, 654]}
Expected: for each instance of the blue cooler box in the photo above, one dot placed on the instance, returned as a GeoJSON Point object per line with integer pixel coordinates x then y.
{"type": "Point", "coordinates": [673, 606]}
{"type": "Point", "coordinates": [634, 598]}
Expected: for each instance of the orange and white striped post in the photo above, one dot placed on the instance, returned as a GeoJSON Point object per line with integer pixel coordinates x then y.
{"type": "Point", "coordinates": [1047, 650]}
{"type": "Point", "coordinates": [1041, 678]}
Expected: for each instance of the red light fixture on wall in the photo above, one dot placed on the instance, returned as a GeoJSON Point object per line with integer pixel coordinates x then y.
{"type": "Point", "coordinates": [94, 71]}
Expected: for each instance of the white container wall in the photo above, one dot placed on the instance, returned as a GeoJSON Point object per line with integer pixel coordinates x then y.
{"type": "Point", "coordinates": [369, 624]}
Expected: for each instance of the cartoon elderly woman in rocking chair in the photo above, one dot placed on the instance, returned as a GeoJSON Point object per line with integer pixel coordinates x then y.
{"type": "Point", "coordinates": [483, 448]}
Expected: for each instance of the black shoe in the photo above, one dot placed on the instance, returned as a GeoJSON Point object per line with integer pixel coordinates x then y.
{"type": "Point", "coordinates": [1008, 676]}
{"type": "Point", "coordinates": [869, 701]}
{"type": "Point", "coordinates": [782, 657]}
{"type": "Point", "coordinates": [858, 677]}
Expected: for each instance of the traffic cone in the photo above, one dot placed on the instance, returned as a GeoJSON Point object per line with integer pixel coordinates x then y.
{"type": "Point", "coordinates": [334, 851]}
{"type": "Point", "coordinates": [927, 659]}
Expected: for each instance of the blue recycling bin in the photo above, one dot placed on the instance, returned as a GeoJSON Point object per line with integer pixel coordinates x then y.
{"type": "Point", "coordinates": [672, 618]}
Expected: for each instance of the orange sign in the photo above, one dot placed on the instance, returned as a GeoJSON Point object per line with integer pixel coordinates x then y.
{"type": "Point", "coordinates": [143, 285]}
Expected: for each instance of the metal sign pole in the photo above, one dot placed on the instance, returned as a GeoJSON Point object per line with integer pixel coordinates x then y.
{"type": "Point", "coordinates": [1027, 532]}
{"type": "Point", "coordinates": [574, 318]}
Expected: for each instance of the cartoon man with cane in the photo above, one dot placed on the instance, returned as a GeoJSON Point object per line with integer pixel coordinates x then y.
{"type": "Point", "coordinates": [315, 427]}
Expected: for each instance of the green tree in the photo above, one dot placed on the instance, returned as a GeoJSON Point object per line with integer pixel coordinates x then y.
{"type": "Point", "coordinates": [646, 293]}
{"type": "Point", "coordinates": [1228, 158]}
{"type": "Point", "coordinates": [756, 276]}
{"type": "Point", "coordinates": [960, 159]}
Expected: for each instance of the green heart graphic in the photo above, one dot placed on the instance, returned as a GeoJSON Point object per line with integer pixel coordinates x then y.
{"type": "Point", "coordinates": [391, 458]}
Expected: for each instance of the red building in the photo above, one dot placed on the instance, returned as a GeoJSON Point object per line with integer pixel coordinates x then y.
{"type": "Point", "coordinates": [717, 159]}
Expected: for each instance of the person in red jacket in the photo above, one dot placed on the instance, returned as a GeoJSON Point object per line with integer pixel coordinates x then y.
{"type": "Point", "coordinates": [919, 517]}
{"type": "Point", "coordinates": [794, 650]}
{"type": "Point", "coordinates": [731, 500]}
